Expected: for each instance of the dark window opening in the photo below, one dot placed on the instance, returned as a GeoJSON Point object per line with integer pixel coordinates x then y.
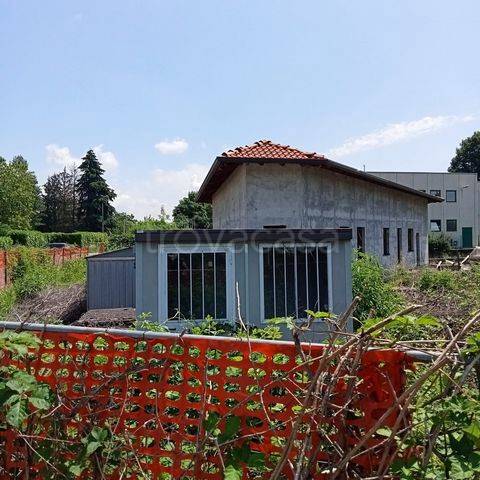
{"type": "Point", "coordinates": [410, 240]}
{"type": "Point", "coordinates": [386, 241]}
{"type": "Point", "coordinates": [450, 195]}
{"type": "Point", "coordinates": [435, 225]}
{"type": "Point", "coordinates": [295, 279]}
{"type": "Point", "coordinates": [197, 285]}
{"type": "Point", "coordinates": [274, 227]}
{"type": "Point", "coordinates": [451, 225]}
{"type": "Point", "coordinates": [399, 244]}
{"type": "Point", "coordinates": [361, 239]}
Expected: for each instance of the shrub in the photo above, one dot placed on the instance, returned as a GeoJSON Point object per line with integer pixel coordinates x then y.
{"type": "Point", "coordinates": [122, 240]}
{"type": "Point", "coordinates": [81, 239]}
{"type": "Point", "coordinates": [436, 280]}
{"type": "Point", "coordinates": [378, 296]}
{"type": "Point", "coordinates": [5, 243]}
{"type": "Point", "coordinates": [28, 238]}
{"type": "Point", "coordinates": [7, 300]}
{"type": "Point", "coordinates": [438, 244]}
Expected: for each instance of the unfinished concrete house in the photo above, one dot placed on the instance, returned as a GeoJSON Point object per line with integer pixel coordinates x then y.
{"type": "Point", "coordinates": [266, 185]}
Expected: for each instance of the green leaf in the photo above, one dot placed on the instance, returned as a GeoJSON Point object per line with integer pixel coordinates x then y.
{"type": "Point", "coordinates": [233, 473]}
{"type": "Point", "coordinates": [384, 432]}
{"type": "Point", "coordinates": [76, 469]}
{"type": "Point", "coordinates": [39, 403]}
{"type": "Point", "coordinates": [473, 431]}
{"type": "Point", "coordinates": [232, 425]}
{"type": "Point", "coordinates": [17, 413]}
{"type": "Point", "coordinates": [211, 421]}
{"type": "Point", "coordinates": [92, 447]}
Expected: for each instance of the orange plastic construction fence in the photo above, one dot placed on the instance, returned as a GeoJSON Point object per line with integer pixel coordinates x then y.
{"type": "Point", "coordinates": [160, 390]}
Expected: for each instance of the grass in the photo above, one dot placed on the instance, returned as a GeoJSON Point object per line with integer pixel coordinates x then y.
{"type": "Point", "coordinates": [33, 273]}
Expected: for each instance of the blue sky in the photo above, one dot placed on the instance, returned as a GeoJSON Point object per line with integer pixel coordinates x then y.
{"type": "Point", "coordinates": [160, 88]}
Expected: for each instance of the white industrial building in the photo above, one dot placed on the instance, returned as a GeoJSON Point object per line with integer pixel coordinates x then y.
{"type": "Point", "coordinates": [458, 215]}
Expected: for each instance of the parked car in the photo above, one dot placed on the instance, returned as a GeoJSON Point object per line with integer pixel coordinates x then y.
{"type": "Point", "coordinates": [58, 245]}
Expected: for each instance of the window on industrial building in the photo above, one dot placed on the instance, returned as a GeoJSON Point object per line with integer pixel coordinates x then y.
{"type": "Point", "coordinates": [451, 225]}
{"type": "Point", "coordinates": [361, 239]}
{"type": "Point", "coordinates": [435, 225]}
{"type": "Point", "coordinates": [197, 285]}
{"type": "Point", "coordinates": [437, 193]}
{"type": "Point", "coordinates": [422, 190]}
{"type": "Point", "coordinates": [410, 239]}
{"type": "Point", "coordinates": [294, 278]}
{"type": "Point", "coordinates": [450, 195]}
{"type": "Point", "coordinates": [386, 241]}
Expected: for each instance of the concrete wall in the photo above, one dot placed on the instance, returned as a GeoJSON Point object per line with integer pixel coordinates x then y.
{"type": "Point", "coordinates": [228, 203]}
{"type": "Point", "coordinates": [466, 210]}
{"type": "Point", "coordinates": [310, 197]}
{"type": "Point", "coordinates": [246, 274]}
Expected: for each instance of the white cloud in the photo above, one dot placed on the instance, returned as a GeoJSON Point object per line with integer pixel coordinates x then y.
{"type": "Point", "coordinates": [397, 132]}
{"type": "Point", "coordinates": [107, 159]}
{"type": "Point", "coordinates": [62, 157]}
{"type": "Point", "coordinates": [162, 188]}
{"type": "Point", "coordinates": [172, 147]}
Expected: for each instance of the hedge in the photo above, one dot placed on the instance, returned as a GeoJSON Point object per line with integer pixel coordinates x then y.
{"type": "Point", "coordinates": [5, 243]}
{"type": "Point", "coordinates": [81, 239]}
{"type": "Point", "coordinates": [28, 238]}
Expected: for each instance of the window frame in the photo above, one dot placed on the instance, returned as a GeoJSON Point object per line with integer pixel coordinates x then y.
{"type": "Point", "coordinates": [436, 190]}
{"type": "Point", "coordinates": [451, 220]}
{"type": "Point", "coordinates": [165, 250]}
{"type": "Point", "coordinates": [446, 196]}
{"type": "Point", "coordinates": [261, 248]}
{"type": "Point", "coordinates": [410, 241]}
{"type": "Point", "coordinates": [439, 223]}
{"type": "Point", "coordinates": [386, 241]}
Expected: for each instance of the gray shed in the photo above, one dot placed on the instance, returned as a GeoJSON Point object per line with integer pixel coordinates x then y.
{"type": "Point", "coordinates": [111, 279]}
{"type": "Point", "coordinates": [186, 275]}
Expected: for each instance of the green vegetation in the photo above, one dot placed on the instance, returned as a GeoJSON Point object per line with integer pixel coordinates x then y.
{"type": "Point", "coordinates": [439, 244]}
{"type": "Point", "coordinates": [371, 282]}
{"type": "Point", "coordinates": [32, 270]}
{"type": "Point", "coordinates": [20, 201]}
{"type": "Point", "coordinates": [191, 214]}
{"type": "Point", "coordinates": [5, 242]}
{"type": "Point", "coordinates": [467, 157]}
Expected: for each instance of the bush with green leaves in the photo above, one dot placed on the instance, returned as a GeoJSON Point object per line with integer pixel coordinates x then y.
{"type": "Point", "coordinates": [370, 283]}
{"type": "Point", "coordinates": [80, 239]}
{"type": "Point", "coordinates": [437, 280]}
{"type": "Point", "coordinates": [5, 243]}
{"type": "Point", "coordinates": [28, 238]}
{"type": "Point", "coordinates": [439, 245]}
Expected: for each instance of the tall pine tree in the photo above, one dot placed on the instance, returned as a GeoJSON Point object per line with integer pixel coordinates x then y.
{"type": "Point", "coordinates": [94, 195]}
{"type": "Point", "coordinates": [60, 201]}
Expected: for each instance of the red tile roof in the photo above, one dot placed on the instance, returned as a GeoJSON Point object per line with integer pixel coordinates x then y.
{"type": "Point", "coordinates": [267, 152]}
{"type": "Point", "coordinates": [268, 149]}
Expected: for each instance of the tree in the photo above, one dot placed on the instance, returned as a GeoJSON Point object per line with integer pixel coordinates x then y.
{"type": "Point", "coordinates": [191, 214]}
{"type": "Point", "coordinates": [467, 158]}
{"type": "Point", "coordinates": [20, 201]}
{"type": "Point", "coordinates": [94, 195]}
{"type": "Point", "coordinates": [60, 201]}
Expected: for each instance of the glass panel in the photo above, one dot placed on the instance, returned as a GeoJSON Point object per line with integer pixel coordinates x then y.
{"type": "Point", "coordinates": [301, 282]}
{"type": "Point", "coordinates": [279, 282]}
{"type": "Point", "coordinates": [312, 279]}
{"type": "Point", "coordinates": [172, 282]}
{"type": "Point", "coordinates": [290, 281]}
{"type": "Point", "coordinates": [268, 282]}
{"type": "Point", "coordinates": [197, 293]}
{"type": "Point", "coordinates": [221, 285]}
{"type": "Point", "coordinates": [185, 306]}
{"type": "Point", "coordinates": [209, 284]}
{"type": "Point", "coordinates": [323, 279]}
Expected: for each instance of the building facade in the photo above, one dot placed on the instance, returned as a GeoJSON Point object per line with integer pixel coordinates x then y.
{"type": "Point", "coordinates": [458, 215]}
{"type": "Point", "coordinates": [185, 276]}
{"type": "Point", "coordinates": [268, 185]}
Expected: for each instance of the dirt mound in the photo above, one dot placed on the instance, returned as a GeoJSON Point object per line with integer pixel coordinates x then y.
{"type": "Point", "coordinates": [52, 305]}
{"type": "Point", "coordinates": [108, 318]}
